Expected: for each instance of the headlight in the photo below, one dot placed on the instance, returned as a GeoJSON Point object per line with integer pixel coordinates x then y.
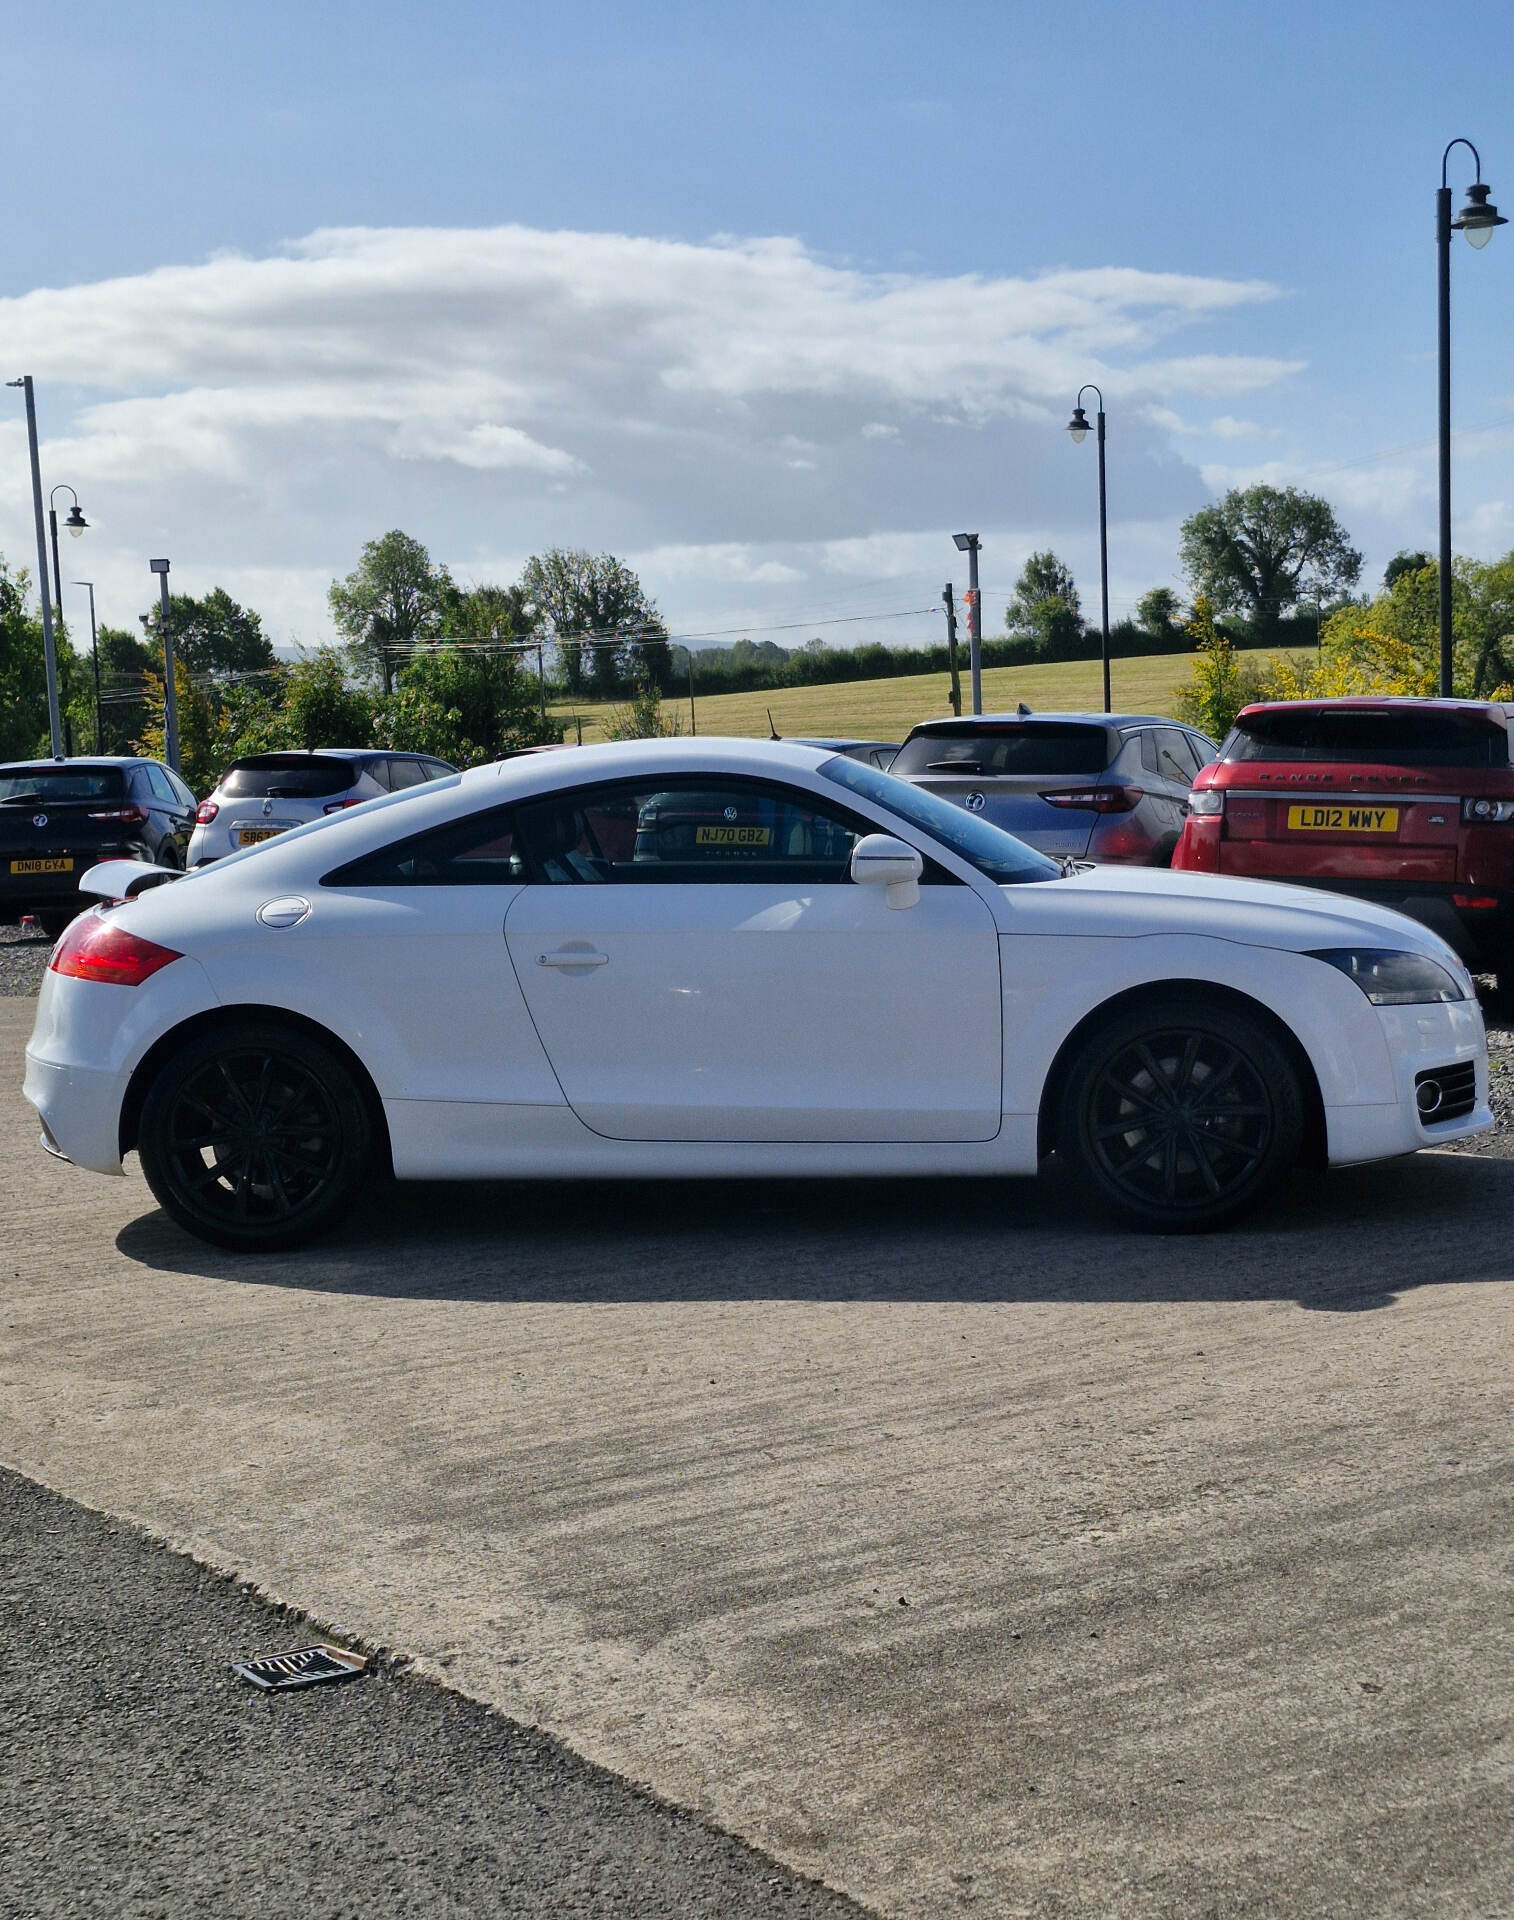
{"type": "Point", "coordinates": [1392, 979]}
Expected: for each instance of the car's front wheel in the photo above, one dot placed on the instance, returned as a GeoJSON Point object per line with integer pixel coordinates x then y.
{"type": "Point", "coordinates": [255, 1136]}
{"type": "Point", "coordinates": [1180, 1116]}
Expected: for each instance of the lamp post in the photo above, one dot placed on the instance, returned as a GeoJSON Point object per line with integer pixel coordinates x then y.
{"type": "Point", "coordinates": [1476, 220]}
{"type": "Point", "coordinates": [170, 692]}
{"type": "Point", "coordinates": [49, 650]}
{"type": "Point", "coordinates": [94, 654]}
{"type": "Point", "coordinates": [76, 524]}
{"type": "Point", "coordinates": [1077, 426]}
{"type": "Point", "coordinates": [969, 543]}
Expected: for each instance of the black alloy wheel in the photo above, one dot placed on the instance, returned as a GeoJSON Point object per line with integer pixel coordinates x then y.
{"type": "Point", "coordinates": [1183, 1117]}
{"type": "Point", "coordinates": [255, 1137]}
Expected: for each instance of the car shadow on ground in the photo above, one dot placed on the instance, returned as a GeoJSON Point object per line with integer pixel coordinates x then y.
{"type": "Point", "coordinates": [1351, 1240]}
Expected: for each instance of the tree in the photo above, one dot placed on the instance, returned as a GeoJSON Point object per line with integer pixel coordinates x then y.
{"type": "Point", "coordinates": [1405, 562]}
{"type": "Point", "coordinates": [213, 634]}
{"type": "Point", "coordinates": [1220, 684]}
{"type": "Point", "coordinates": [1157, 613]}
{"type": "Point", "coordinates": [594, 604]}
{"type": "Point", "coordinates": [1045, 607]}
{"type": "Point", "coordinates": [393, 599]}
{"type": "Point", "coordinates": [24, 731]}
{"type": "Point", "coordinates": [1261, 549]}
{"type": "Point", "coordinates": [466, 706]}
{"type": "Point", "coordinates": [643, 718]}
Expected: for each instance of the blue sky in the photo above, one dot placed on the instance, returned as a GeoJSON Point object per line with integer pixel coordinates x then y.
{"type": "Point", "coordinates": [1290, 150]}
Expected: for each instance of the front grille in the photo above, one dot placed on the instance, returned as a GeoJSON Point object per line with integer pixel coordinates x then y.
{"type": "Point", "coordinates": [1446, 1093]}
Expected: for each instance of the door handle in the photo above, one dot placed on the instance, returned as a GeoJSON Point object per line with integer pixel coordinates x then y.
{"type": "Point", "coordinates": [569, 957]}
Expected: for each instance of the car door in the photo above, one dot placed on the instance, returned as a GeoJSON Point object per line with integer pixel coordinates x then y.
{"type": "Point", "coordinates": [700, 966]}
{"type": "Point", "coordinates": [172, 822]}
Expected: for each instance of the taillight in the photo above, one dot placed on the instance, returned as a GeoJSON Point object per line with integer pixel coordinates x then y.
{"type": "Point", "coordinates": [1096, 799]}
{"type": "Point", "coordinates": [1487, 813]}
{"type": "Point", "coordinates": [336, 806]}
{"type": "Point", "coordinates": [130, 816]}
{"type": "Point", "coordinates": [93, 949]}
{"type": "Point", "coordinates": [1206, 801]}
{"type": "Point", "coordinates": [205, 812]}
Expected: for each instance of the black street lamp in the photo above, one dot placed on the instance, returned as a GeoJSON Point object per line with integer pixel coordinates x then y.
{"type": "Point", "coordinates": [94, 654]}
{"type": "Point", "coordinates": [76, 524]}
{"type": "Point", "coordinates": [1077, 426]}
{"type": "Point", "coordinates": [1476, 220]}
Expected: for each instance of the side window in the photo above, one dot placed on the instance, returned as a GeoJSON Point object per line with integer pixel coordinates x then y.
{"type": "Point", "coordinates": [1149, 758]}
{"type": "Point", "coordinates": [480, 851]}
{"type": "Point", "coordinates": [1176, 756]}
{"type": "Point", "coordinates": [1201, 750]}
{"type": "Point", "coordinates": [405, 773]}
{"type": "Point", "coordinates": [694, 831]}
{"type": "Point", "coordinates": [182, 793]}
{"type": "Point", "coordinates": [157, 779]}
{"type": "Point", "coordinates": [435, 770]}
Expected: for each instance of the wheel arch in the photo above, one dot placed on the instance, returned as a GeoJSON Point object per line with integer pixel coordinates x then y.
{"type": "Point", "coordinates": [167, 1044]}
{"type": "Point", "coordinates": [1313, 1152]}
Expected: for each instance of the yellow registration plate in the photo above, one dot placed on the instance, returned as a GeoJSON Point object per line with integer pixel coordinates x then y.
{"type": "Point", "coordinates": [42, 866]}
{"type": "Point", "coordinates": [733, 836]}
{"type": "Point", "coordinates": [248, 836]}
{"type": "Point", "coordinates": [1322, 819]}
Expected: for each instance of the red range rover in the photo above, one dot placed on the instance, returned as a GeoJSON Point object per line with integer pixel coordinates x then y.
{"type": "Point", "coordinates": [1409, 803]}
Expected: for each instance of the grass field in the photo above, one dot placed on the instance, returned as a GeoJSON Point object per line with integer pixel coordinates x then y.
{"type": "Point", "coordinates": [887, 709]}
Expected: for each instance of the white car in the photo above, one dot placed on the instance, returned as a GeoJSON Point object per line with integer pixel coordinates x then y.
{"type": "Point", "coordinates": [726, 957]}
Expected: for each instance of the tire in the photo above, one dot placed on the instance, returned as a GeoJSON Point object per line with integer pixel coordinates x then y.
{"type": "Point", "coordinates": [56, 920]}
{"type": "Point", "coordinates": [1139, 1130]}
{"type": "Point", "coordinates": [255, 1136]}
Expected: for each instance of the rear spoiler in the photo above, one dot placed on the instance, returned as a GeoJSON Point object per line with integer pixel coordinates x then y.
{"type": "Point", "coordinates": [125, 879]}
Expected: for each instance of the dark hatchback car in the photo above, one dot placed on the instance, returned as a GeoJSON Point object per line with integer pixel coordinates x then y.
{"type": "Point", "coordinates": [1406, 802]}
{"type": "Point", "coordinates": [58, 818]}
{"type": "Point", "coordinates": [1086, 786]}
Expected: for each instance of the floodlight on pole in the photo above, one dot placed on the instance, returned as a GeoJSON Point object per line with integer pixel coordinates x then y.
{"type": "Point", "coordinates": [969, 543]}
{"type": "Point", "coordinates": [1476, 220]}
{"type": "Point", "coordinates": [170, 691]}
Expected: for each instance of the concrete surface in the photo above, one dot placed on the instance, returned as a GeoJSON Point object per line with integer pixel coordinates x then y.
{"type": "Point", "coordinates": [142, 1778]}
{"type": "Point", "coordinates": [947, 1545]}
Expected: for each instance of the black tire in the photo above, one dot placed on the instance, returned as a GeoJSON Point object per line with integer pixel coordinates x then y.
{"type": "Point", "coordinates": [1181, 1116]}
{"type": "Point", "coordinates": [57, 920]}
{"type": "Point", "coordinates": [255, 1136]}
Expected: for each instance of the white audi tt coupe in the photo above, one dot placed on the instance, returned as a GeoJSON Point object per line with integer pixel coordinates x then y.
{"type": "Point", "coordinates": [727, 957]}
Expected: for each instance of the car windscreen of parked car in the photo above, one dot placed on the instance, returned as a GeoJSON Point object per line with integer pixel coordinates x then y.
{"type": "Point", "coordinates": [1037, 747]}
{"type": "Point", "coordinates": [1417, 739]}
{"type": "Point", "coordinates": [289, 776]}
{"type": "Point", "coordinates": [62, 783]}
{"type": "Point", "coordinates": [996, 854]}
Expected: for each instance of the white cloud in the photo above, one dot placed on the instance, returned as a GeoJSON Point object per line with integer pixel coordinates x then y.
{"type": "Point", "coordinates": [500, 390]}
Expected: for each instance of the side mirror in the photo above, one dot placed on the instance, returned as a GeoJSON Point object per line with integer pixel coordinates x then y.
{"type": "Point", "coordinates": [879, 860]}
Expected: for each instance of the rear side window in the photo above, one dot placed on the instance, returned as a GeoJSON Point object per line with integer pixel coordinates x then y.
{"type": "Point", "coordinates": [1175, 756]}
{"type": "Point", "coordinates": [1416, 738]}
{"type": "Point", "coordinates": [481, 851]}
{"type": "Point", "coordinates": [406, 773]}
{"type": "Point", "coordinates": [1044, 747]}
{"type": "Point", "coordinates": [157, 779]}
{"type": "Point", "coordinates": [289, 776]}
{"type": "Point", "coordinates": [62, 783]}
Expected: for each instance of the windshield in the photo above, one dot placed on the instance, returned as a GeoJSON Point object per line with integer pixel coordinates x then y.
{"type": "Point", "coordinates": [62, 783]}
{"type": "Point", "coordinates": [1037, 747]}
{"type": "Point", "coordinates": [998, 855]}
{"type": "Point", "coordinates": [1415, 737]}
{"type": "Point", "coordinates": [289, 776]}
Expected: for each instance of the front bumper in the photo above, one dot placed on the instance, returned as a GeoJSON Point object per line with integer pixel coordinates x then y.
{"type": "Point", "coordinates": [1419, 1040]}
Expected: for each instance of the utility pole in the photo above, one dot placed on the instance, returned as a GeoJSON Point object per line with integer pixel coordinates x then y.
{"type": "Point", "coordinates": [49, 649]}
{"type": "Point", "coordinates": [170, 692]}
{"type": "Point", "coordinates": [955, 695]}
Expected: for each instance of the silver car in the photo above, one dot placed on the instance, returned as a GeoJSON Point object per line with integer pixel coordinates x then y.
{"type": "Point", "coordinates": [1106, 787]}
{"type": "Point", "coordinates": [267, 793]}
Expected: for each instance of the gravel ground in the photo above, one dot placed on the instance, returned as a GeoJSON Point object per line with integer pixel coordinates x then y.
{"type": "Point", "coordinates": [141, 1777]}
{"type": "Point", "coordinates": [23, 960]}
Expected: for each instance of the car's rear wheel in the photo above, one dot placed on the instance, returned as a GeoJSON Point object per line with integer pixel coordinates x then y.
{"type": "Point", "coordinates": [1181, 1116]}
{"type": "Point", "coordinates": [57, 920]}
{"type": "Point", "coordinates": [255, 1136]}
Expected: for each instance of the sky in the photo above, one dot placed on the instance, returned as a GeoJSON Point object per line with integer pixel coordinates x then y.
{"type": "Point", "coordinates": [769, 300]}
